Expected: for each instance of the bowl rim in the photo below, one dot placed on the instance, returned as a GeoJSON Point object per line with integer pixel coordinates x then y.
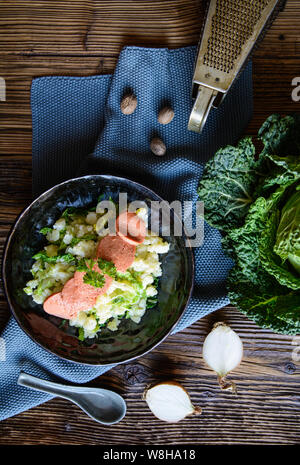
{"type": "Point", "coordinates": [10, 237]}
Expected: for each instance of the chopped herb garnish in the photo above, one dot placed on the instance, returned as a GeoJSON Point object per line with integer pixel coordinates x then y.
{"type": "Point", "coordinates": [70, 212]}
{"type": "Point", "coordinates": [119, 300]}
{"type": "Point", "coordinates": [94, 278]}
{"type": "Point", "coordinates": [151, 302]}
{"type": "Point", "coordinates": [74, 241]}
{"type": "Point", "coordinates": [155, 282]}
{"type": "Point", "coordinates": [107, 267]}
{"type": "Point", "coordinates": [85, 264]}
{"type": "Point", "coordinates": [86, 237]}
{"type": "Point", "coordinates": [68, 258]}
{"type": "Point", "coordinates": [81, 334]}
{"type": "Point", "coordinates": [43, 256]}
{"type": "Point", "coordinates": [45, 231]}
{"type": "Point", "coordinates": [131, 276]}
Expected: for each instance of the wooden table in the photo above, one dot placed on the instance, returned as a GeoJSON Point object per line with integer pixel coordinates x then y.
{"type": "Point", "coordinates": [84, 37]}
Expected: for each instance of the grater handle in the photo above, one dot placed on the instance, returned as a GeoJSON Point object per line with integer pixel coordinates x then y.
{"type": "Point", "coordinates": [201, 108]}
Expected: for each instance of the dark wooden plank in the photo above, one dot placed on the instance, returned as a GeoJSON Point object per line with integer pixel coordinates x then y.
{"type": "Point", "coordinates": [103, 27]}
{"type": "Point", "coordinates": [272, 88]}
{"type": "Point", "coordinates": [97, 27]}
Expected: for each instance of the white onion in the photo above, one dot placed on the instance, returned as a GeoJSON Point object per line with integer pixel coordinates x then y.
{"type": "Point", "coordinates": [170, 402]}
{"type": "Point", "coordinates": [223, 352]}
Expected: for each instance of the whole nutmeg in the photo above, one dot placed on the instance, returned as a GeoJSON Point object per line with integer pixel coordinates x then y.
{"type": "Point", "coordinates": [165, 115]}
{"type": "Point", "coordinates": [158, 147]}
{"type": "Point", "coordinates": [128, 104]}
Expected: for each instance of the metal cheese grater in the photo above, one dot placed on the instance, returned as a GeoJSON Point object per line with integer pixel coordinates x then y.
{"type": "Point", "coordinates": [230, 32]}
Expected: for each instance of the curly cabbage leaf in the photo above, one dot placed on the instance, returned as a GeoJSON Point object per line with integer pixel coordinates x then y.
{"type": "Point", "coordinates": [287, 245]}
{"type": "Point", "coordinates": [251, 286]}
{"type": "Point", "coordinates": [241, 244]}
{"type": "Point", "coordinates": [281, 135]}
{"type": "Point", "coordinates": [271, 306]}
{"type": "Point", "coordinates": [227, 184]}
{"type": "Point", "coordinates": [233, 179]}
{"type": "Point", "coordinates": [271, 262]}
{"type": "Point", "coordinates": [260, 281]}
{"type": "Point", "coordinates": [281, 171]}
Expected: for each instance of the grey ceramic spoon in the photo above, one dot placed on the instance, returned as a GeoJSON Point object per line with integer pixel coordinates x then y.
{"type": "Point", "coordinates": [102, 405]}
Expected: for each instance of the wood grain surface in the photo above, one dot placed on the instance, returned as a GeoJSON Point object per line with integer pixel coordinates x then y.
{"type": "Point", "coordinates": [84, 37]}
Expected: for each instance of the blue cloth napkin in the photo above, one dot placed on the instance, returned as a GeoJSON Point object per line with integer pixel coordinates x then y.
{"type": "Point", "coordinates": [71, 116]}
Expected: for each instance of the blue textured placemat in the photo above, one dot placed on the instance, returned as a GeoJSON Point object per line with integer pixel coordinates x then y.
{"type": "Point", "coordinates": [69, 116]}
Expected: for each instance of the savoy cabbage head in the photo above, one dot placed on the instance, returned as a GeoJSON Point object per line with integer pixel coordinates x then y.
{"type": "Point", "coordinates": [254, 200]}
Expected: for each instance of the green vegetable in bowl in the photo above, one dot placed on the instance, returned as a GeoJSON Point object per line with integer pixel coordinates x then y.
{"type": "Point", "coordinates": [255, 202]}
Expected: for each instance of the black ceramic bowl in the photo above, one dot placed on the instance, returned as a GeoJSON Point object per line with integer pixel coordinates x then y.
{"type": "Point", "coordinates": [131, 340]}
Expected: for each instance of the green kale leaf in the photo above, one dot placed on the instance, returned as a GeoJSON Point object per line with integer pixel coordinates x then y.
{"type": "Point", "coordinates": [281, 135]}
{"type": "Point", "coordinates": [228, 183]}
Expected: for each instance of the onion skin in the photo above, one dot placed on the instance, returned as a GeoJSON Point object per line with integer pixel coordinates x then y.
{"type": "Point", "coordinates": [226, 385]}
{"type": "Point", "coordinates": [196, 410]}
